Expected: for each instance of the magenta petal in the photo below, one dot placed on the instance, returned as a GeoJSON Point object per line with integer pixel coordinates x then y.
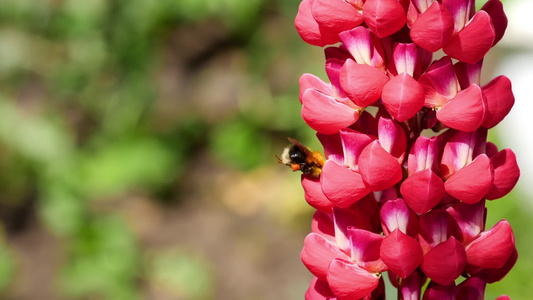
{"type": "Point", "coordinates": [322, 224]}
{"type": "Point", "coordinates": [444, 263]}
{"type": "Point", "coordinates": [325, 114]}
{"type": "Point", "coordinates": [362, 83]}
{"type": "Point", "coordinates": [310, 81]}
{"type": "Point", "coordinates": [503, 297]}
{"type": "Point", "coordinates": [422, 190]}
{"type": "Point", "coordinates": [353, 143]}
{"type": "Point", "coordinates": [472, 288]}
{"type": "Point", "coordinates": [342, 186]}
{"type": "Point", "coordinates": [310, 31]}
{"type": "Point", "coordinates": [411, 286]}
{"type": "Point", "coordinates": [395, 214]}
{"type": "Point", "coordinates": [471, 183]}
{"type": "Point", "coordinates": [336, 15]}
{"type": "Point", "coordinates": [349, 281]}
{"type": "Point", "coordinates": [318, 290]}
{"type": "Point", "coordinates": [506, 174]}
{"type": "Point", "coordinates": [492, 248]}
{"type": "Point", "coordinates": [403, 97]}
{"type": "Point", "coordinates": [440, 82]}
{"type": "Point", "coordinates": [433, 29]}
{"type": "Point", "coordinates": [465, 112]}
{"type": "Point", "coordinates": [345, 219]}
{"type": "Point", "coordinates": [384, 17]}
{"type": "Point", "coordinates": [318, 253]}
{"type": "Point", "coordinates": [401, 253]}
{"type": "Point", "coordinates": [499, 100]}
{"type": "Point", "coordinates": [314, 194]}
{"type": "Point", "coordinates": [364, 46]}
{"type": "Point", "coordinates": [365, 249]}
{"type": "Point", "coordinates": [436, 291]}
{"type": "Point", "coordinates": [379, 169]}
{"type": "Point", "coordinates": [423, 155]}
{"type": "Point", "coordinates": [493, 275]}
{"type": "Point", "coordinates": [434, 228]}
{"type": "Point", "coordinates": [332, 147]}
{"type": "Point", "coordinates": [470, 218]}
{"type": "Point", "coordinates": [495, 10]}
{"type": "Point", "coordinates": [474, 41]}
{"type": "Point", "coordinates": [392, 138]}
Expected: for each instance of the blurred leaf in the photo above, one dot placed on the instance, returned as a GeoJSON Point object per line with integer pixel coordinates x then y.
{"type": "Point", "coordinates": [183, 275]}
{"type": "Point", "coordinates": [104, 261]}
{"type": "Point", "coordinates": [7, 267]}
{"type": "Point", "coordinates": [126, 164]}
{"type": "Point", "coordinates": [239, 144]}
{"type": "Point", "coordinates": [61, 210]}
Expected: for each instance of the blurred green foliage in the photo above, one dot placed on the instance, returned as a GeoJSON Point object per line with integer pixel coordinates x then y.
{"type": "Point", "coordinates": [83, 120]}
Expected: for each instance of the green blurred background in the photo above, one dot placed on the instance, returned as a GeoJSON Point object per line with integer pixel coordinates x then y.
{"type": "Point", "coordinates": [137, 142]}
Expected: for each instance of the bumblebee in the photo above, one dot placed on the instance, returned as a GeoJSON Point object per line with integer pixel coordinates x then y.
{"type": "Point", "coordinates": [301, 158]}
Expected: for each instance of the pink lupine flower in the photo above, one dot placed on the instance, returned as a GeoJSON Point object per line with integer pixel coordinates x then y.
{"type": "Point", "coordinates": [389, 198]}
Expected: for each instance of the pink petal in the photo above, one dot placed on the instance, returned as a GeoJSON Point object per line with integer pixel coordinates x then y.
{"type": "Point", "coordinates": [370, 208]}
{"type": "Point", "coordinates": [364, 46]}
{"type": "Point", "coordinates": [365, 249]}
{"type": "Point", "coordinates": [506, 174]}
{"type": "Point", "coordinates": [401, 253]}
{"type": "Point", "coordinates": [405, 58]}
{"type": "Point", "coordinates": [422, 191]}
{"type": "Point", "coordinates": [460, 10]}
{"type": "Point", "coordinates": [465, 112]}
{"type": "Point", "coordinates": [495, 10]}
{"type": "Point", "coordinates": [345, 219]}
{"type": "Point", "coordinates": [435, 227]}
{"type": "Point", "coordinates": [325, 114]}
{"type": "Point", "coordinates": [384, 17]}
{"type": "Point", "coordinates": [493, 275]}
{"type": "Point", "coordinates": [342, 186]}
{"type": "Point", "coordinates": [403, 97]}
{"type": "Point", "coordinates": [499, 100]}
{"type": "Point", "coordinates": [440, 82]}
{"type": "Point", "coordinates": [411, 286]}
{"type": "Point", "coordinates": [323, 224]}
{"type": "Point", "coordinates": [336, 15]}
{"type": "Point", "coordinates": [503, 297]}
{"type": "Point", "coordinates": [474, 41]}
{"type": "Point", "coordinates": [468, 74]}
{"type": "Point", "coordinates": [362, 83]}
{"type": "Point", "coordinates": [444, 263]}
{"type": "Point", "coordinates": [472, 288]}
{"type": "Point", "coordinates": [395, 214]}
{"type": "Point", "coordinates": [378, 168]}
{"type": "Point", "coordinates": [492, 248]}
{"type": "Point", "coordinates": [314, 195]}
{"type": "Point", "coordinates": [332, 147]}
{"type": "Point", "coordinates": [353, 143]}
{"type": "Point", "coordinates": [433, 29]}
{"type": "Point", "coordinates": [310, 81]}
{"type": "Point", "coordinates": [318, 290]}
{"type": "Point", "coordinates": [318, 253]}
{"type": "Point", "coordinates": [436, 291]}
{"type": "Point", "coordinates": [460, 149]}
{"type": "Point", "coordinates": [471, 183]}
{"type": "Point", "coordinates": [470, 218]}
{"type": "Point", "coordinates": [310, 31]}
{"type": "Point", "coordinates": [349, 281]}
{"type": "Point", "coordinates": [423, 155]}
{"type": "Point", "coordinates": [333, 69]}
{"type": "Point", "coordinates": [392, 138]}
